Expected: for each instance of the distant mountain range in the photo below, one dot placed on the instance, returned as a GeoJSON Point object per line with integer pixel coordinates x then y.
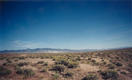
{"type": "Point", "coordinates": [54, 50]}
{"type": "Point", "coordinates": [46, 50]}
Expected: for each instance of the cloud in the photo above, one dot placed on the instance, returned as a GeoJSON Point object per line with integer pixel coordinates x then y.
{"type": "Point", "coordinates": [25, 44]}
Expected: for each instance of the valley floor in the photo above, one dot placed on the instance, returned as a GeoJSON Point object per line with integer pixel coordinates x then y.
{"type": "Point", "coordinates": [98, 65]}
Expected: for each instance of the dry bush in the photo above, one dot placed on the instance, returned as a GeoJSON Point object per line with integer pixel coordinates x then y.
{"type": "Point", "coordinates": [25, 72]}
{"type": "Point", "coordinates": [4, 71]}
{"type": "Point", "coordinates": [110, 74]}
{"type": "Point", "coordinates": [90, 77]}
{"type": "Point", "coordinates": [58, 68]}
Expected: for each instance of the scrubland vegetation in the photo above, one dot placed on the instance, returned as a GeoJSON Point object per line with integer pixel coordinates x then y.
{"type": "Point", "coordinates": [97, 65]}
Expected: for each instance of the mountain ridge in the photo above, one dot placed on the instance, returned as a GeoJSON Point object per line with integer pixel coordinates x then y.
{"type": "Point", "coordinates": [55, 50]}
{"type": "Point", "coordinates": [46, 50]}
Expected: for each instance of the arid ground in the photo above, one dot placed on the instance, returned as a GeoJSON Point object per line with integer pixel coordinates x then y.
{"type": "Point", "coordinates": [97, 65]}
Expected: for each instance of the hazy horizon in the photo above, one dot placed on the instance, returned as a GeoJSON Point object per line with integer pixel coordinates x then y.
{"type": "Point", "coordinates": [65, 24]}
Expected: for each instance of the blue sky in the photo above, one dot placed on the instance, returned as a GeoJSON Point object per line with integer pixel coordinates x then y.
{"type": "Point", "coordinates": [66, 24]}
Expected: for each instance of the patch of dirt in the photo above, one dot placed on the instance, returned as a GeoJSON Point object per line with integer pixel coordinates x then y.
{"type": "Point", "coordinates": [30, 67]}
{"type": "Point", "coordinates": [50, 61]}
{"type": "Point", "coordinates": [88, 68]}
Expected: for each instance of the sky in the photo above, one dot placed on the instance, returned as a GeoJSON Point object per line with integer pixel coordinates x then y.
{"type": "Point", "coordinates": [65, 24]}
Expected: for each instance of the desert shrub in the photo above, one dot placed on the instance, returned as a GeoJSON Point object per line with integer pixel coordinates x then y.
{"type": "Point", "coordinates": [68, 74]}
{"type": "Point", "coordinates": [69, 64]}
{"type": "Point", "coordinates": [21, 58]}
{"type": "Point", "coordinates": [126, 59]}
{"type": "Point", "coordinates": [28, 72]}
{"type": "Point", "coordinates": [96, 63]}
{"type": "Point", "coordinates": [110, 74]}
{"type": "Point", "coordinates": [72, 65]}
{"type": "Point", "coordinates": [110, 61]}
{"type": "Point", "coordinates": [130, 65]}
{"type": "Point", "coordinates": [111, 66]}
{"type": "Point", "coordinates": [64, 62]}
{"type": "Point", "coordinates": [58, 68]}
{"type": "Point", "coordinates": [40, 62]}
{"type": "Point", "coordinates": [118, 64]}
{"type": "Point", "coordinates": [4, 71]}
{"type": "Point", "coordinates": [8, 60]}
{"type": "Point", "coordinates": [123, 72]}
{"type": "Point", "coordinates": [44, 70]}
{"type": "Point", "coordinates": [6, 64]}
{"type": "Point", "coordinates": [2, 58]}
{"type": "Point", "coordinates": [16, 60]}
{"type": "Point", "coordinates": [90, 77]}
{"type": "Point", "coordinates": [78, 58]}
{"type": "Point", "coordinates": [45, 64]}
{"type": "Point", "coordinates": [55, 76]}
{"type": "Point", "coordinates": [25, 72]}
{"type": "Point", "coordinates": [117, 58]}
{"type": "Point", "coordinates": [53, 59]}
{"type": "Point", "coordinates": [129, 70]}
{"type": "Point", "coordinates": [89, 58]}
{"type": "Point", "coordinates": [93, 61]}
{"type": "Point", "coordinates": [104, 62]}
{"type": "Point", "coordinates": [22, 64]}
{"type": "Point", "coordinates": [41, 57]}
{"type": "Point", "coordinates": [19, 70]}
